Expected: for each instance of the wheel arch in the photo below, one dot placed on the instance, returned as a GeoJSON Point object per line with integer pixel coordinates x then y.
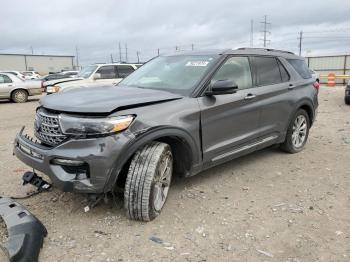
{"type": "Point", "coordinates": [185, 151]}
{"type": "Point", "coordinates": [14, 90]}
{"type": "Point", "coordinates": [309, 111]}
{"type": "Point", "coordinates": [306, 105]}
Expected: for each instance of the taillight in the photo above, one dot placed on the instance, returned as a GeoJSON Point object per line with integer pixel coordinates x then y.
{"type": "Point", "coordinates": [316, 85]}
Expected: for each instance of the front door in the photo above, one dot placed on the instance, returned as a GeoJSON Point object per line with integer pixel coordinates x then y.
{"type": "Point", "coordinates": [6, 85]}
{"type": "Point", "coordinates": [230, 122]}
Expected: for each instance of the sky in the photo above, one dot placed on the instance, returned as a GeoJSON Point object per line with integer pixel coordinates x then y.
{"type": "Point", "coordinates": [96, 28]}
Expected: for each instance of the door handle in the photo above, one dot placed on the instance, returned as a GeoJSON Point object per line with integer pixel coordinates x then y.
{"type": "Point", "coordinates": [249, 97]}
{"type": "Point", "coordinates": [291, 87]}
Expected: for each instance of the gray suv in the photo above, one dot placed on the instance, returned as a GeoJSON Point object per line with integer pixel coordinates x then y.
{"type": "Point", "coordinates": [177, 115]}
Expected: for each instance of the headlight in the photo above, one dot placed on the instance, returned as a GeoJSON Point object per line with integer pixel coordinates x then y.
{"type": "Point", "coordinates": [53, 89]}
{"type": "Point", "coordinates": [94, 126]}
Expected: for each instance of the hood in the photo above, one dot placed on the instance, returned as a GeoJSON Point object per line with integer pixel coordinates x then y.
{"type": "Point", "coordinates": [105, 100]}
{"type": "Point", "coordinates": [62, 80]}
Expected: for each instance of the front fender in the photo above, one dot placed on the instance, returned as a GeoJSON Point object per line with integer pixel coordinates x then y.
{"type": "Point", "coordinates": [142, 139]}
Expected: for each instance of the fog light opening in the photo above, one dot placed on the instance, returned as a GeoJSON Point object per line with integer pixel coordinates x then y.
{"type": "Point", "coordinates": [67, 162]}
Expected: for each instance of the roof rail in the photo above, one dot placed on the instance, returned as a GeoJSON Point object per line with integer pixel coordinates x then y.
{"type": "Point", "coordinates": [266, 49]}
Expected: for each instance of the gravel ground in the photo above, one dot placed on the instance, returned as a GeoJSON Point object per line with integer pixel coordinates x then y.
{"type": "Point", "coordinates": [268, 206]}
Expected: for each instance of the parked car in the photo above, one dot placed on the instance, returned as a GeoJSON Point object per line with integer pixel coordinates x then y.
{"type": "Point", "coordinates": [16, 89]}
{"type": "Point", "coordinates": [70, 73]}
{"type": "Point", "coordinates": [347, 94]}
{"type": "Point", "coordinates": [31, 75]}
{"type": "Point", "coordinates": [177, 115]}
{"type": "Point", "coordinates": [16, 73]}
{"type": "Point", "coordinates": [92, 76]}
{"type": "Point", "coordinates": [315, 75]}
{"type": "Point", "coordinates": [61, 75]}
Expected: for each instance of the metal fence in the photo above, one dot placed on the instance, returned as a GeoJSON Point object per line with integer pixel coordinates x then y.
{"type": "Point", "coordinates": [337, 64]}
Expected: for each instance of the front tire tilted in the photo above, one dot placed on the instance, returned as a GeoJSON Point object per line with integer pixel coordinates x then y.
{"type": "Point", "coordinates": [148, 181]}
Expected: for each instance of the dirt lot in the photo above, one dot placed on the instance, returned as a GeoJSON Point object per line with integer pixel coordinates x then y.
{"type": "Point", "coordinates": [268, 206]}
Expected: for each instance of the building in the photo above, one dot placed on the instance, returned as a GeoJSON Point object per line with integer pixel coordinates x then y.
{"type": "Point", "coordinates": [40, 63]}
{"type": "Point", "coordinates": [337, 64]}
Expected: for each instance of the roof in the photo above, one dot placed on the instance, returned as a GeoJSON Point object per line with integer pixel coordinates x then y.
{"type": "Point", "coordinates": [114, 64]}
{"type": "Point", "coordinates": [37, 55]}
{"type": "Point", "coordinates": [240, 51]}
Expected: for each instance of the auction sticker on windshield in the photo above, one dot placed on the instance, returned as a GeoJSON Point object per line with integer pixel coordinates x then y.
{"type": "Point", "coordinates": [197, 63]}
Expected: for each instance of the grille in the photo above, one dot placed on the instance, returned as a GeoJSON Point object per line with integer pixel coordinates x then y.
{"type": "Point", "coordinates": [47, 129]}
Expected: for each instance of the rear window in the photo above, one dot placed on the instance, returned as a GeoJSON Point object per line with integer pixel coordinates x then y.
{"type": "Point", "coordinates": [284, 73]}
{"type": "Point", "coordinates": [267, 71]}
{"type": "Point", "coordinates": [301, 67]}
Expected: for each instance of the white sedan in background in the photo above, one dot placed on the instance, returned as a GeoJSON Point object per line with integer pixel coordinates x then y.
{"type": "Point", "coordinates": [16, 89]}
{"type": "Point", "coordinates": [31, 75]}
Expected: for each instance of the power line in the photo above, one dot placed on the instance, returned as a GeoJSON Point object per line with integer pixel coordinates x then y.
{"type": "Point", "coordinates": [77, 56]}
{"type": "Point", "coordinates": [120, 52]}
{"type": "Point", "coordinates": [138, 56]}
{"type": "Point", "coordinates": [251, 33]}
{"type": "Point", "coordinates": [264, 31]}
{"type": "Point", "coordinates": [126, 52]}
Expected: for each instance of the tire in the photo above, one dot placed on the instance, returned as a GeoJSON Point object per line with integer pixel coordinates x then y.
{"type": "Point", "coordinates": [347, 100]}
{"type": "Point", "coordinates": [148, 181]}
{"type": "Point", "coordinates": [295, 141]}
{"type": "Point", "coordinates": [19, 96]}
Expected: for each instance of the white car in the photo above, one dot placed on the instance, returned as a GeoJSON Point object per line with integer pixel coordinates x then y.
{"type": "Point", "coordinates": [315, 75]}
{"type": "Point", "coordinates": [16, 89]}
{"type": "Point", "coordinates": [31, 75]}
{"type": "Point", "coordinates": [16, 73]}
{"type": "Point", "coordinates": [92, 76]}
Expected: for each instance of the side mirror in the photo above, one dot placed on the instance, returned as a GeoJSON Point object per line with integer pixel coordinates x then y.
{"type": "Point", "coordinates": [97, 76]}
{"type": "Point", "coordinates": [222, 87]}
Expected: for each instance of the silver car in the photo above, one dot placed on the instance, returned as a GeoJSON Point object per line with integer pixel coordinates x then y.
{"type": "Point", "coordinates": [16, 89]}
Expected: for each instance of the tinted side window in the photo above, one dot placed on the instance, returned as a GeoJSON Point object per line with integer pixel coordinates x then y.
{"type": "Point", "coordinates": [267, 71]}
{"type": "Point", "coordinates": [5, 79]}
{"type": "Point", "coordinates": [301, 67]}
{"type": "Point", "coordinates": [236, 69]}
{"type": "Point", "coordinates": [284, 74]}
{"type": "Point", "coordinates": [124, 70]}
{"type": "Point", "coordinates": [107, 72]}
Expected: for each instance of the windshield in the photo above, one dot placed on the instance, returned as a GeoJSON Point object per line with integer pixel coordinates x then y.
{"type": "Point", "coordinates": [87, 71]}
{"type": "Point", "coordinates": [177, 74]}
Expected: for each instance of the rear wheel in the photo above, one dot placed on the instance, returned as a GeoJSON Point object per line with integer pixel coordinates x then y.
{"type": "Point", "coordinates": [19, 96]}
{"type": "Point", "coordinates": [298, 132]}
{"type": "Point", "coordinates": [148, 181]}
{"type": "Point", "coordinates": [347, 100]}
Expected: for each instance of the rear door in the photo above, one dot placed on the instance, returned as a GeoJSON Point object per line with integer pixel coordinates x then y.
{"type": "Point", "coordinates": [124, 71]}
{"type": "Point", "coordinates": [109, 75]}
{"type": "Point", "coordinates": [6, 86]}
{"type": "Point", "coordinates": [275, 93]}
{"type": "Point", "coordinates": [230, 122]}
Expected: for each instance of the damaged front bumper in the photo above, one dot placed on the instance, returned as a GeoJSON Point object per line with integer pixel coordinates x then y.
{"type": "Point", "coordinates": [25, 232]}
{"type": "Point", "coordinates": [79, 165]}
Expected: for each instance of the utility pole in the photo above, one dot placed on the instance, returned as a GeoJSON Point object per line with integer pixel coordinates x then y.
{"type": "Point", "coordinates": [120, 52]}
{"type": "Point", "coordinates": [300, 41]}
{"type": "Point", "coordinates": [126, 52]}
{"type": "Point", "coordinates": [31, 48]}
{"type": "Point", "coordinates": [251, 33]}
{"type": "Point", "coordinates": [77, 57]}
{"type": "Point", "coordinates": [158, 51]}
{"type": "Point", "coordinates": [112, 59]}
{"type": "Point", "coordinates": [176, 48]}
{"type": "Point", "coordinates": [138, 56]}
{"type": "Point", "coordinates": [192, 47]}
{"type": "Point", "coordinates": [265, 32]}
